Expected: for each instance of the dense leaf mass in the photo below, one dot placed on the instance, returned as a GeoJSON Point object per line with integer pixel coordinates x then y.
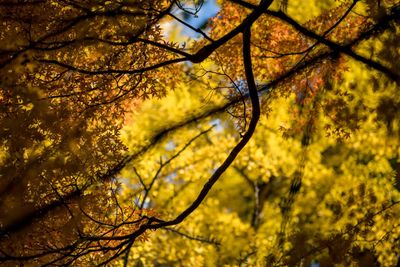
{"type": "Point", "coordinates": [269, 136]}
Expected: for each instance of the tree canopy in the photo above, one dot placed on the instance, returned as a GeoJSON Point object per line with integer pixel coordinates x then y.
{"type": "Point", "coordinates": [267, 136]}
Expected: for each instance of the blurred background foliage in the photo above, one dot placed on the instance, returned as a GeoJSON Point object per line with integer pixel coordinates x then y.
{"type": "Point", "coordinates": [346, 211]}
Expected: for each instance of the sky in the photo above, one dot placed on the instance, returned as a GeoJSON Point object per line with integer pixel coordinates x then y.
{"type": "Point", "coordinates": [208, 10]}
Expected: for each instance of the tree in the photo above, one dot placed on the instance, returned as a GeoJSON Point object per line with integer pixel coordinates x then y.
{"type": "Point", "coordinates": [302, 167]}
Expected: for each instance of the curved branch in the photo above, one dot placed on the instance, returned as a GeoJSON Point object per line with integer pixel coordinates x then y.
{"type": "Point", "coordinates": [253, 93]}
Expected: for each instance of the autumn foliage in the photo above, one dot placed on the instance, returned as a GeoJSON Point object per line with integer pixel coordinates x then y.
{"type": "Point", "coordinates": [268, 136]}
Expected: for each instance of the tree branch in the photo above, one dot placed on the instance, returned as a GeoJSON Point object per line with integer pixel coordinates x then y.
{"type": "Point", "coordinates": [344, 49]}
